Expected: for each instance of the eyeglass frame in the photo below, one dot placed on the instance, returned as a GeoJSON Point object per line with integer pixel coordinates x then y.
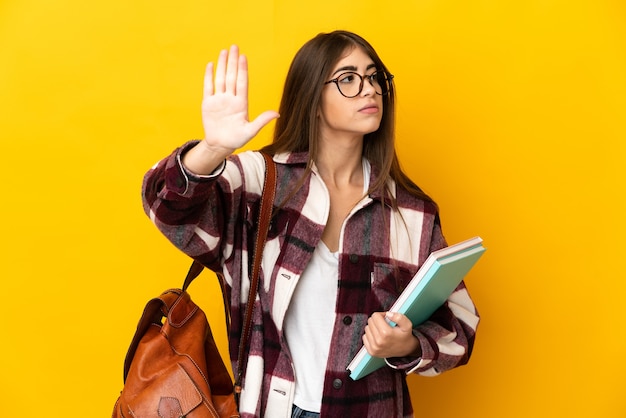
{"type": "Point", "coordinates": [369, 78]}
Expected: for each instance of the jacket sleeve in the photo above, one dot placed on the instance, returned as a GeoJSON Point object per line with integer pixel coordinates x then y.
{"type": "Point", "coordinates": [447, 337]}
{"type": "Point", "coordinates": [202, 215]}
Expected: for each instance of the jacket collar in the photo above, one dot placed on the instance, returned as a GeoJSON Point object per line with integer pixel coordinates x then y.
{"type": "Point", "coordinates": [302, 158]}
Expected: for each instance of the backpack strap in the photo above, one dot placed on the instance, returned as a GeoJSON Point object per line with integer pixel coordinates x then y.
{"type": "Point", "coordinates": [265, 215]}
{"type": "Point", "coordinates": [194, 271]}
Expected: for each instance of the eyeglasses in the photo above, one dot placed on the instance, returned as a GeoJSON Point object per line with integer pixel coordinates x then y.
{"type": "Point", "coordinates": [350, 84]}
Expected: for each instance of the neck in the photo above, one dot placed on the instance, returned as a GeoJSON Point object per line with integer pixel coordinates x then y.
{"type": "Point", "coordinates": [340, 162]}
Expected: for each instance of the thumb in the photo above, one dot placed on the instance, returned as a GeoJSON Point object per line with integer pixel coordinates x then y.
{"type": "Point", "coordinates": [401, 321]}
{"type": "Point", "coordinates": [263, 119]}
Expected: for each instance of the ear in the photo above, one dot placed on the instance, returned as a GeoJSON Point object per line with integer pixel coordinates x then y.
{"type": "Point", "coordinates": [320, 104]}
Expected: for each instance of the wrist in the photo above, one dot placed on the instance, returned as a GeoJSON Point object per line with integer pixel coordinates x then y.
{"type": "Point", "coordinates": [416, 349]}
{"type": "Point", "coordinates": [203, 159]}
{"type": "Point", "coordinates": [214, 150]}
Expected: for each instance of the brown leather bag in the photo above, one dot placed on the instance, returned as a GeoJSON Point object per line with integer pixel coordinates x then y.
{"type": "Point", "coordinates": [173, 367]}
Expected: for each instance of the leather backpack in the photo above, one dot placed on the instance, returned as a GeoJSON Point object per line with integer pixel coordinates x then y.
{"type": "Point", "coordinates": [173, 367]}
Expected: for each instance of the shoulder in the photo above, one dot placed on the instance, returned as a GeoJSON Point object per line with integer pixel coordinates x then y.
{"type": "Point", "coordinates": [409, 201]}
{"type": "Point", "coordinates": [249, 166]}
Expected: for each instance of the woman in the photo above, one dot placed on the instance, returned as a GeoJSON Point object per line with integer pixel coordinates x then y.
{"type": "Point", "coordinates": [349, 231]}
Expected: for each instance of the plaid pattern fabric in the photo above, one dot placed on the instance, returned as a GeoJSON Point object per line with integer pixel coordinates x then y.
{"type": "Point", "coordinates": [213, 220]}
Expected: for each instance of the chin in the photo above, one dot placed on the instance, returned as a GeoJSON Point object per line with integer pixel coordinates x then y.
{"type": "Point", "coordinates": [373, 128]}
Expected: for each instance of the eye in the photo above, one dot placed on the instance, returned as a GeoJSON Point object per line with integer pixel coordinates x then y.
{"type": "Point", "coordinates": [375, 78]}
{"type": "Point", "coordinates": [347, 78]}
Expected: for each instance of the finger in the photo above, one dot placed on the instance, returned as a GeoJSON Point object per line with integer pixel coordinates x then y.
{"type": "Point", "coordinates": [402, 321]}
{"type": "Point", "coordinates": [366, 343]}
{"type": "Point", "coordinates": [231, 69]}
{"type": "Point", "coordinates": [373, 329]}
{"type": "Point", "coordinates": [242, 77]}
{"type": "Point", "coordinates": [220, 72]}
{"type": "Point", "coordinates": [378, 320]}
{"type": "Point", "coordinates": [260, 121]}
{"type": "Point", "coordinates": [208, 80]}
{"type": "Point", "coordinates": [369, 343]}
{"type": "Point", "coordinates": [372, 341]}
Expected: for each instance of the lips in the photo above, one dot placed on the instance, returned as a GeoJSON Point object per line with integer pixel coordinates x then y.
{"type": "Point", "coordinates": [370, 108]}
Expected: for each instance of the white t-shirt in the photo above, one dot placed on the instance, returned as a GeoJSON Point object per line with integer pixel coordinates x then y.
{"type": "Point", "coordinates": [309, 325]}
{"type": "Point", "coordinates": [310, 320]}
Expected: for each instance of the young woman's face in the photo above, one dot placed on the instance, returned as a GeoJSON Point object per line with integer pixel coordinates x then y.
{"type": "Point", "coordinates": [350, 116]}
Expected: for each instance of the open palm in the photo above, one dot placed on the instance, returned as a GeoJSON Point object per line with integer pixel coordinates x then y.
{"type": "Point", "coordinates": [225, 103]}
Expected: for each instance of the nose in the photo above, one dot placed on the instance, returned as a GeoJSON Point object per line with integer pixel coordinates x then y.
{"type": "Point", "coordinates": [368, 87]}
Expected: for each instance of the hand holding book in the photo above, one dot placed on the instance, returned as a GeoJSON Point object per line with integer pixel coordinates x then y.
{"type": "Point", "coordinates": [381, 340]}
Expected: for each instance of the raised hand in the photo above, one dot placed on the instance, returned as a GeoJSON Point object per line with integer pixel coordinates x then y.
{"type": "Point", "coordinates": [225, 113]}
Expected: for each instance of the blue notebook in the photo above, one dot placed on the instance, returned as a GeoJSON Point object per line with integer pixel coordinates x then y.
{"type": "Point", "coordinates": [434, 282]}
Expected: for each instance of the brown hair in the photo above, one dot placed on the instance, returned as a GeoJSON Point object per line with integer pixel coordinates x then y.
{"type": "Point", "coordinates": [298, 129]}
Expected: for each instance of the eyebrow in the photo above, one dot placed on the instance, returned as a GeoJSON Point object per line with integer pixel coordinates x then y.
{"type": "Point", "coordinates": [353, 68]}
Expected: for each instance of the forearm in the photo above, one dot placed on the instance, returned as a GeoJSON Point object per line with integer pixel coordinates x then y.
{"type": "Point", "coordinates": [415, 349]}
{"type": "Point", "coordinates": [445, 340]}
{"type": "Point", "coordinates": [179, 206]}
{"type": "Point", "coordinates": [448, 336]}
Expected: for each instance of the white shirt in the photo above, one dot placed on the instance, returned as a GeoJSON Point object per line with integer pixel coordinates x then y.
{"type": "Point", "coordinates": [309, 325]}
{"type": "Point", "coordinates": [310, 319]}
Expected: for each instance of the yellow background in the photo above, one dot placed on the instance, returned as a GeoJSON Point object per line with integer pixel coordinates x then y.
{"type": "Point", "coordinates": [512, 116]}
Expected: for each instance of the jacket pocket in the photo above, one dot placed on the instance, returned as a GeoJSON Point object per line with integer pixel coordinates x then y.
{"type": "Point", "coordinates": [388, 281]}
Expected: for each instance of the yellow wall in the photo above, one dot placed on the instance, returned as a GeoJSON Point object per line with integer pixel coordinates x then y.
{"type": "Point", "coordinates": [512, 115]}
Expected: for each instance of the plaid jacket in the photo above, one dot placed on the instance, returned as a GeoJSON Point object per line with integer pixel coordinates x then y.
{"type": "Point", "coordinates": [213, 220]}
